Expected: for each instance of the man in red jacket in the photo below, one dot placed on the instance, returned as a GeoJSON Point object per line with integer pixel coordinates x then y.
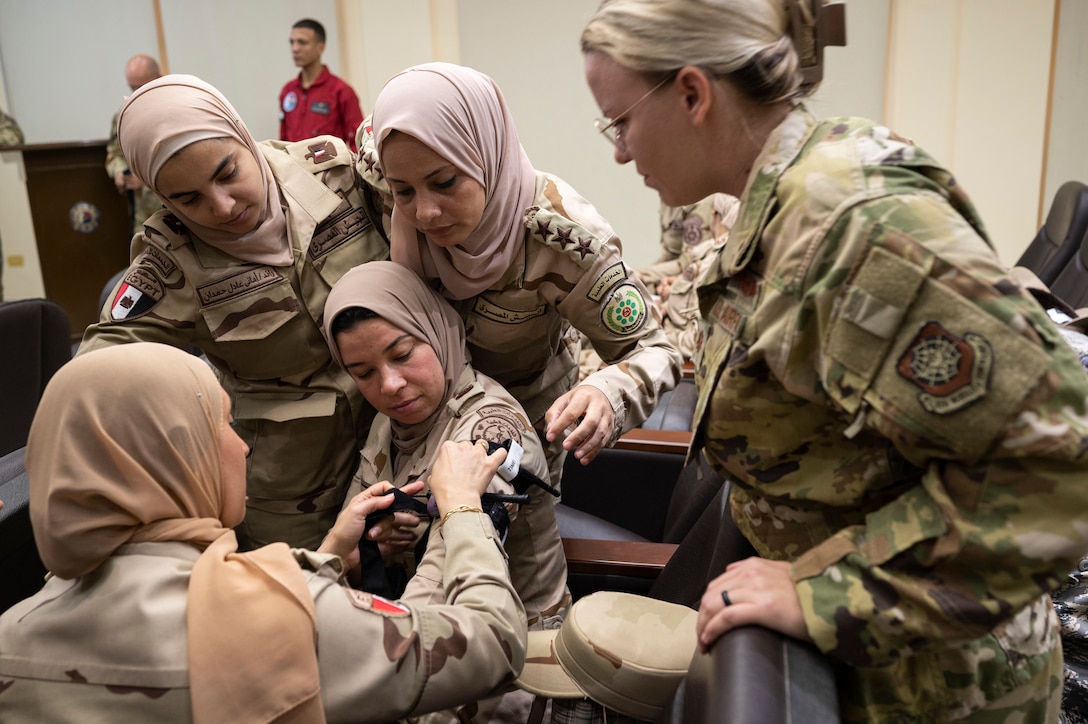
{"type": "Point", "coordinates": [316, 102]}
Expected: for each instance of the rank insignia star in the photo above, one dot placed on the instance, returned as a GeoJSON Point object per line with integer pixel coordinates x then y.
{"type": "Point", "coordinates": [543, 228]}
{"type": "Point", "coordinates": [585, 247]}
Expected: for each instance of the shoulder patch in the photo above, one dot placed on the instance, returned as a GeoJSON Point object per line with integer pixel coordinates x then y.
{"type": "Point", "coordinates": [609, 278]}
{"type": "Point", "coordinates": [319, 153]}
{"type": "Point", "coordinates": [498, 423]}
{"type": "Point", "coordinates": [162, 263]}
{"type": "Point", "coordinates": [377, 604]}
{"type": "Point", "coordinates": [139, 292]}
{"type": "Point", "coordinates": [951, 372]}
{"type": "Point", "coordinates": [625, 311]}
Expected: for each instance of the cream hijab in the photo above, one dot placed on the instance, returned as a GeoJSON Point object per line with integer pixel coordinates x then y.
{"type": "Point", "coordinates": [460, 114]}
{"type": "Point", "coordinates": [397, 295]}
{"type": "Point", "coordinates": [166, 115]}
{"type": "Point", "coordinates": [124, 448]}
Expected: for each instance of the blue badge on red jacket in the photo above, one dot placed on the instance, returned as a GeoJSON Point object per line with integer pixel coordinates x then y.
{"type": "Point", "coordinates": [290, 102]}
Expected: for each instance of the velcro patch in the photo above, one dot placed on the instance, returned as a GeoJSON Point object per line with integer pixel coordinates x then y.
{"type": "Point", "coordinates": [498, 423]}
{"type": "Point", "coordinates": [377, 604]}
{"type": "Point", "coordinates": [139, 292]}
{"type": "Point", "coordinates": [321, 152]}
{"type": "Point", "coordinates": [160, 260]}
{"type": "Point", "coordinates": [342, 226]}
{"type": "Point", "coordinates": [625, 311]}
{"type": "Point", "coordinates": [952, 372]}
{"type": "Point", "coordinates": [608, 279]}
{"type": "Point", "coordinates": [502, 315]}
{"type": "Point", "coordinates": [237, 284]}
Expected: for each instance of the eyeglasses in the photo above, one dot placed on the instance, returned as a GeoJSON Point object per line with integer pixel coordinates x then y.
{"type": "Point", "coordinates": [607, 126]}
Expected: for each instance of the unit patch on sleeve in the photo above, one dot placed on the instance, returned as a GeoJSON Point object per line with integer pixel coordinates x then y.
{"type": "Point", "coordinates": [139, 292]}
{"type": "Point", "coordinates": [952, 372]}
{"type": "Point", "coordinates": [625, 311]}
{"type": "Point", "coordinates": [608, 279]}
{"type": "Point", "coordinates": [498, 423]}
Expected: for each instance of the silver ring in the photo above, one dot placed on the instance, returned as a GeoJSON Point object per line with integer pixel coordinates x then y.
{"type": "Point", "coordinates": [725, 598]}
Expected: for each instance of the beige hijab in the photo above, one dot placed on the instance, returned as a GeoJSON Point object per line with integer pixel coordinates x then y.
{"type": "Point", "coordinates": [166, 115]}
{"type": "Point", "coordinates": [460, 114]}
{"type": "Point", "coordinates": [124, 448]}
{"type": "Point", "coordinates": [400, 297]}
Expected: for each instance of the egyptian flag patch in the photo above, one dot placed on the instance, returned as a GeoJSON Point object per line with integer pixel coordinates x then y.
{"type": "Point", "coordinates": [951, 372]}
{"type": "Point", "coordinates": [139, 292]}
{"type": "Point", "coordinates": [374, 602]}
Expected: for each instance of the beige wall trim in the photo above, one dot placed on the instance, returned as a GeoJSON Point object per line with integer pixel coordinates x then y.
{"type": "Point", "coordinates": [160, 32]}
{"type": "Point", "coordinates": [445, 30]}
{"type": "Point", "coordinates": [1049, 112]}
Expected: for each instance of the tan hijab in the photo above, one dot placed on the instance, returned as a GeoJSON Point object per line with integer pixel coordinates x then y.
{"type": "Point", "coordinates": [166, 115]}
{"type": "Point", "coordinates": [124, 448]}
{"type": "Point", "coordinates": [460, 114]}
{"type": "Point", "coordinates": [400, 297]}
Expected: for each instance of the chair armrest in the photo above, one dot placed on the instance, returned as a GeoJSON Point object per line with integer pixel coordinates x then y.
{"type": "Point", "coordinates": [647, 440]}
{"type": "Point", "coordinates": [753, 674]}
{"type": "Point", "coordinates": [616, 557]}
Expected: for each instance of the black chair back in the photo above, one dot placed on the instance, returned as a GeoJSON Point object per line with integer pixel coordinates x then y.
{"type": "Point", "coordinates": [1061, 235]}
{"type": "Point", "coordinates": [35, 340]}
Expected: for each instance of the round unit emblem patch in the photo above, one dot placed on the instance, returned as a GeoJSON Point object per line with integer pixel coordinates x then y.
{"type": "Point", "coordinates": [951, 372]}
{"type": "Point", "coordinates": [84, 217]}
{"type": "Point", "coordinates": [290, 102]}
{"type": "Point", "coordinates": [497, 423]}
{"type": "Point", "coordinates": [626, 310]}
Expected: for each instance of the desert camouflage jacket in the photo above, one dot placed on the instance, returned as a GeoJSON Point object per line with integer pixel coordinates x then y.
{"type": "Point", "coordinates": [524, 330]}
{"type": "Point", "coordinates": [259, 326]}
{"type": "Point", "coordinates": [112, 645]}
{"type": "Point", "coordinates": [481, 409]}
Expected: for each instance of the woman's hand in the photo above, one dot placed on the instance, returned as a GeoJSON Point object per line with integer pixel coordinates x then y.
{"type": "Point", "coordinates": [462, 472]}
{"type": "Point", "coordinates": [760, 592]}
{"type": "Point", "coordinates": [664, 287]}
{"type": "Point", "coordinates": [343, 539]}
{"type": "Point", "coordinates": [587, 406]}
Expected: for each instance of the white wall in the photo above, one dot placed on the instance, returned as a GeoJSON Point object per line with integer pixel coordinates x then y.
{"type": "Point", "coordinates": [532, 50]}
{"type": "Point", "coordinates": [966, 78]}
{"type": "Point", "coordinates": [1067, 151]}
{"type": "Point", "coordinates": [968, 82]}
{"type": "Point", "coordinates": [242, 48]}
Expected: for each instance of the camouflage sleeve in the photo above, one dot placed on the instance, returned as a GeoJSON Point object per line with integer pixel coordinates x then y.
{"type": "Point", "coordinates": [921, 339]}
{"type": "Point", "coordinates": [383, 660]}
{"type": "Point", "coordinates": [115, 160]}
{"type": "Point", "coordinates": [153, 302]}
{"type": "Point", "coordinates": [613, 309]}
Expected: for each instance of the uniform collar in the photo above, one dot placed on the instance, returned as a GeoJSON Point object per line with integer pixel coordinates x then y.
{"type": "Point", "coordinates": [781, 150]}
